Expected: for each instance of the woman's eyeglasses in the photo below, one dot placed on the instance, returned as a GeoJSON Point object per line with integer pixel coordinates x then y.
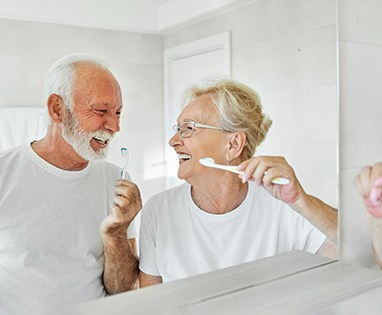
{"type": "Point", "coordinates": [187, 128]}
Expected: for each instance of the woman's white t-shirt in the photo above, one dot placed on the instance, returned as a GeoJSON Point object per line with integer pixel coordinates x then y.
{"type": "Point", "coordinates": [178, 239]}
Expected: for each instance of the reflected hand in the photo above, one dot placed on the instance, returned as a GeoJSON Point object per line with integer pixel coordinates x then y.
{"type": "Point", "coordinates": [262, 169]}
{"type": "Point", "coordinates": [126, 205]}
{"type": "Point", "coordinates": [368, 183]}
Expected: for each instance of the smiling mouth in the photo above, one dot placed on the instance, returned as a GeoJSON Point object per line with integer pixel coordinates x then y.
{"type": "Point", "coordinates": [183, 157]}
{"type": "Point", "coordinates": [101, 141]}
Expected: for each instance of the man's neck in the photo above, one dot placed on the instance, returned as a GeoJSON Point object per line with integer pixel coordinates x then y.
{"type": "Point", "coordinates": [56, 151]}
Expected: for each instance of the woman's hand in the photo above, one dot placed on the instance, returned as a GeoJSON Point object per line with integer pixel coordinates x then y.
{"type": "Point", "coordinates": [263, 169]}
{"type": "Point", "coordinates": [368, 183]}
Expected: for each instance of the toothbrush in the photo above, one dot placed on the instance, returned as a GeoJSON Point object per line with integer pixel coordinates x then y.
{"type": "Point", "coordinates": [209, 162]}
{"type": "Point", "coordinates": [375, 198]}
{"type": "Point", "coordinates": [125, 155]}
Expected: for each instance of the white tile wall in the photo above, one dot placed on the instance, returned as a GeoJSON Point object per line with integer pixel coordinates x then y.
{"type": "Point", "coordinates": [13, 81]}
{"type": "Point", "coordinates": [361, 105]}
{"type": "Point", "coordinates": [360, 73]}
{"type": "Point", "coordinates": [355, 237]}
{"type": "Point", "coordinates": [302, 59]}
{"type": "Point", "coordinates": [261, 21]}
{"type": "Point", "coordinates": [360, 21]}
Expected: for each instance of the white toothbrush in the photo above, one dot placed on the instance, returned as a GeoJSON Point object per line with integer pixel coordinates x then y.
{"type": "Point", "coordinates": [125, 155]}
{"type": "Point", "coordinates": [209, 162]}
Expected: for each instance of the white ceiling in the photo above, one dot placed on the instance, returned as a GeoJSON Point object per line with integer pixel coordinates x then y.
{"type": "Point", "coordinates": [153, 16]}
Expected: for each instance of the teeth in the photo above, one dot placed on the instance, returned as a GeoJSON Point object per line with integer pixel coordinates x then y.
{"type": "Point", "coordinates": [101, 140]}
{"type": "Point", "coordinates": [182, 156]}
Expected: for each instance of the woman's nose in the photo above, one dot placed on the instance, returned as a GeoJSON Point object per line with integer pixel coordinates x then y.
{"type": "Point", "coordinates": [175, 140]}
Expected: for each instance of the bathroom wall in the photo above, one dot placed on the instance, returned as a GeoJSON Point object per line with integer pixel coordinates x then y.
{"type": "Point", "coordinates": [286, 50]}
{"type": "Point", "coordinates": [360, 76]}
{"type": "Point", "coordinates": [27, 50]}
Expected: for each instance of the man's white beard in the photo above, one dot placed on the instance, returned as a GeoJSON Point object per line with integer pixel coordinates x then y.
{"type": "Point", "coordinates": [80, 139]}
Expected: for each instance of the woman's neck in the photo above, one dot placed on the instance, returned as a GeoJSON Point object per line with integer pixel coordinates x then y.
{"type": "Point", "coordinates": [219, 198]}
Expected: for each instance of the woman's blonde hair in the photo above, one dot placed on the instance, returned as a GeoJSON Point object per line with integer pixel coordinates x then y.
{"type": "Point", "coordinates": [240, 109]}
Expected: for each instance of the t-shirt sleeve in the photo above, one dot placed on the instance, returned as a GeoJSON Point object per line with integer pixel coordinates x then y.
{"type": "Point", "coordinates": [306, 236]}
{"type": "Point", "coordinates": [131, 230]}
{"type": "Point", "coordinates": [147, 242]}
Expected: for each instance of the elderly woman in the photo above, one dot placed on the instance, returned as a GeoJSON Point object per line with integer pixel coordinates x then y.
{"type": "Point", "coordinates": [368, 183]}
{"type": "Point", "coordinates": [219, 219]}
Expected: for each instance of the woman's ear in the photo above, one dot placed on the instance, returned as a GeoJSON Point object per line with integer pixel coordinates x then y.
{"type": "Point", "coordinates": [236, 144]}
{"type": "Point", "coordinates": [55, 108]}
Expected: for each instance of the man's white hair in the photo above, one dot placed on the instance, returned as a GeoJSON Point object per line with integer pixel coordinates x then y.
{"type": "Point", "coordinates": [60, 77]}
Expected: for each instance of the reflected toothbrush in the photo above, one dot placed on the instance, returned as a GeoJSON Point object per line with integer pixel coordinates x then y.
{"type": "Point", "coordinates": [125, 155]}
{"type": "Point", "coordinates": [209, 162]}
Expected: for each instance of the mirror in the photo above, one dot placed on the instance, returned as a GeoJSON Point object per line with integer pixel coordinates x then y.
{"type": "Point", "coordinates": [293, 67]}
{"type": "Point", "coordinates": [285, 50]}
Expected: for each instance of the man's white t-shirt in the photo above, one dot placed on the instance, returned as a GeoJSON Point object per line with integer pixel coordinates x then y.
{"type": "Point", "coordinates": [178, 239]}
{"type": "Point", "coordinates": [51, 251]}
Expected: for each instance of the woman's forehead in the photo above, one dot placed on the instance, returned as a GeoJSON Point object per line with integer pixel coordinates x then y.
{"type": "Point", "coordinates": [200, 108]}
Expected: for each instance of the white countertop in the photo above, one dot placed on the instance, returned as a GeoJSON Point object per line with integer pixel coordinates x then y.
{"type": "Point", "coordinates": [292, 283]}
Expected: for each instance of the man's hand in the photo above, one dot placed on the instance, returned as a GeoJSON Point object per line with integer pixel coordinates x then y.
{"type": "Point", "coordinates": [126, 205]}
{"type": "Point", "coordinates": [121, 264]}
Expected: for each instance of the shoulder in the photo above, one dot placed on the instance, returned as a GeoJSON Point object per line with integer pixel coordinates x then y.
{"type": "Point", "coordinates": [270, 205]}
{"type": "Point", "coordinates": [262, 196]}
{"type": "Point", "coordinates": [107, 169]}
{"type": "Point", "coordinates": [170, 194]}
{"type": "Point", "coordinates": [11, 153]}
{"type": "Point", "coordinates": [165, 200]}
{"type": "Point", "coordinates": [106, 166]}
{"type": "Point", "coordinates": [13, 156]}
{"type": "Point", "coordinates": [13, 161]}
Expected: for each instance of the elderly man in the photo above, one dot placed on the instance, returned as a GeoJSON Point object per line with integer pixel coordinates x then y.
{"type": "Point", "coordinates": [56, 193]}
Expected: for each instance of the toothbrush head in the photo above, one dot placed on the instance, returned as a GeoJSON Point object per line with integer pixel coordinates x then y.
{"type": "Point", "coordinates": [124, 152]}
{"type": "Point", "coordinates": [125, 155]}
{"type": "Point", "coordinates": [207, 161]}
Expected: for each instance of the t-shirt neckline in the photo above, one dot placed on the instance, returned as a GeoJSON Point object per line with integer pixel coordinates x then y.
{"type": "Point", "coordinates": [225, 216]}
{"type": "Point", "coordinates": [40, 162]}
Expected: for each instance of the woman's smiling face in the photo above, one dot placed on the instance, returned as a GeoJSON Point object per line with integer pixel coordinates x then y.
{"type": "Point", "coordinates": [203, 142]}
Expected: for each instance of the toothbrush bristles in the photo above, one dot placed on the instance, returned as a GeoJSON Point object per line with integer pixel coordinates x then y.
{"type": "Point", "coordinates": [124, 152]}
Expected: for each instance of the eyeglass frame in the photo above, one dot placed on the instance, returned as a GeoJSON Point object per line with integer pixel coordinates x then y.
{"type": "Point", "coordinates": [194, 125]}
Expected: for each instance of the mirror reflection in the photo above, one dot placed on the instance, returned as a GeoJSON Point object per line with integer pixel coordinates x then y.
{"type": "Point", "coordinates": [283, 53]}
{"type": "Point", "coordinates": [219, 219]}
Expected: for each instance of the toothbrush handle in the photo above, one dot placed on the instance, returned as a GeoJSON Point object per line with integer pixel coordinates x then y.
{"type": "Point", "coordinates": [276, 180]}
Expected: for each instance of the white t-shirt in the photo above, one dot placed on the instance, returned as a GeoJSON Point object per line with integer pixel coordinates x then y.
{"type": "Point", "coordinates": [51, 251]}
{"type": "Point", "coordinates": [178, 239]}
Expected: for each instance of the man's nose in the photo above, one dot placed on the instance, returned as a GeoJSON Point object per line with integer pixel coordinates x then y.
{"type": "Point", "coordinates": [112, 122]}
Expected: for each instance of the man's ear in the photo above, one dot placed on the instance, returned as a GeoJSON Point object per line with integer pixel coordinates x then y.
{"type": "Point", "coordinates": [56, 108]}
{"type": "Point", "coordinates": [236, 145]}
